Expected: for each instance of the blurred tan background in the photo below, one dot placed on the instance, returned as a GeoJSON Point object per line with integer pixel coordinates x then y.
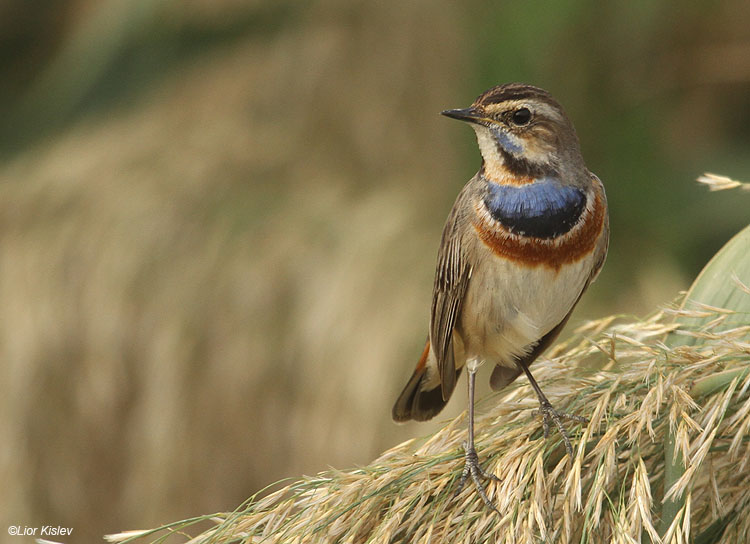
{"type": "Point", "coordinates": [219, 220]}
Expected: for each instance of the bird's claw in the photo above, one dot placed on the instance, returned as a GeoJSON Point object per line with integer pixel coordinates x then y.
{"type": "Point", "coordinates": [548, 414]}
{"type": "Point", "coordinates": [477, 473]}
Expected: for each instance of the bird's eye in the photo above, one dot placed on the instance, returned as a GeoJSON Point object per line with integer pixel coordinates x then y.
{"type": "Point", "coordinates": [521, 117]}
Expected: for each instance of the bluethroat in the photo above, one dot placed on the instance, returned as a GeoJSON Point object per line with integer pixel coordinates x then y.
{"type": "Point", "coordinates": [525, 238]}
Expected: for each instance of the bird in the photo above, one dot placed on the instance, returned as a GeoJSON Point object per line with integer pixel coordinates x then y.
{"type": "Point", "coordinates": [524, 239]}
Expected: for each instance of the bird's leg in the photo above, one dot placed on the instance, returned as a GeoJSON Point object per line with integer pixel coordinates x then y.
{"type": "Point", "coordinates": [471, 461]}
{"type": "Point", "coordinates": [548, 413]}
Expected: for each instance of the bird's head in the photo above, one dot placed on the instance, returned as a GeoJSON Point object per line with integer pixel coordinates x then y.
{"type": "Point", "coordinates": [522, 131]}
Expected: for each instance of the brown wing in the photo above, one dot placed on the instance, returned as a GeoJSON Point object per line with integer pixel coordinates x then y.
{"type": "Point", "coordinates": [451, 281]}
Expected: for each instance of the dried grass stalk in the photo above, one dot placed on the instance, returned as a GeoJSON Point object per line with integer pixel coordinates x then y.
{"type": "Point", "coordinates": [716, 182]}
{"type": "Point", "coordinates": [663, 457]}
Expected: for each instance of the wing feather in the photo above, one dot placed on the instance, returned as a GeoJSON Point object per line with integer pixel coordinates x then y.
{"type": "Point", "coordinates": [451, 281]}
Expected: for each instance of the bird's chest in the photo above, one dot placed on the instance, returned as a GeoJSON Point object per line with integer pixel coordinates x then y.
{"type": "Point", "coordinates": [539, 225]}
{"type": "Point", "coordinates": [508, 307]}
{"type": "Point", "coordinates": [533, 250]}
{"type": "Point", "coordinates": [543, 209]}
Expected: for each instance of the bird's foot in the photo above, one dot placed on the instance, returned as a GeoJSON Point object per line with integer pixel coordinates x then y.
{"type": "Point", "coordinates": [477, 473]}
{"type": "Point", "coordinates": [549, 414]}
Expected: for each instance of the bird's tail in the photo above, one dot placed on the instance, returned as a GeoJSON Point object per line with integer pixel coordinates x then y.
{"type": "Point", "coordinates": [421, 400]}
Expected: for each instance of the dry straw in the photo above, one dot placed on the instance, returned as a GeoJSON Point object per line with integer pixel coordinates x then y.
{"type": "Point", "coordinates": [716, 182]}
{"type": "Point", "coordinates": [663, 459]}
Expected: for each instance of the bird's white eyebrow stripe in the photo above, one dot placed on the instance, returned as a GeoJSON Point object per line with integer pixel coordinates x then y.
{"type": "Point", "coordinates": [548, 111]}
{"type": "Point", "coordinates": [538, 106]}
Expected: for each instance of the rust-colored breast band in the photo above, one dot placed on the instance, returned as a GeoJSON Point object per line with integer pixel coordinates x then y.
{"type": "Point", "coordinates": [553, 253]}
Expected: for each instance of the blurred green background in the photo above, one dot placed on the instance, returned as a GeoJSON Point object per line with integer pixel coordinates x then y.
{"type": "Point", "coordinates": [219, 220]}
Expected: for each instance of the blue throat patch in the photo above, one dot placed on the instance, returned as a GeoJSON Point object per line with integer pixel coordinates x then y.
{"type": "Point", "coordinates": [542, 209]}
{"type": "Point", "coordinates": [505, 142]}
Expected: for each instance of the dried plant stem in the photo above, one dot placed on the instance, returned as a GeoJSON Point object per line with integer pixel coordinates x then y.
{"type": "Point", "coordinates": [675, 420]}
{"type": "Point", "coordinates": [674, 469]}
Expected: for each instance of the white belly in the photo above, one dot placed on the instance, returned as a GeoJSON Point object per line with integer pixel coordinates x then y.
{"type": "Point", "coordinates": [508, 308]}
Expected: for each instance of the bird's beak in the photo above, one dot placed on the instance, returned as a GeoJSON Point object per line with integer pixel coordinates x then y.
{"type": "Point", "coordinates": [470, 115]}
